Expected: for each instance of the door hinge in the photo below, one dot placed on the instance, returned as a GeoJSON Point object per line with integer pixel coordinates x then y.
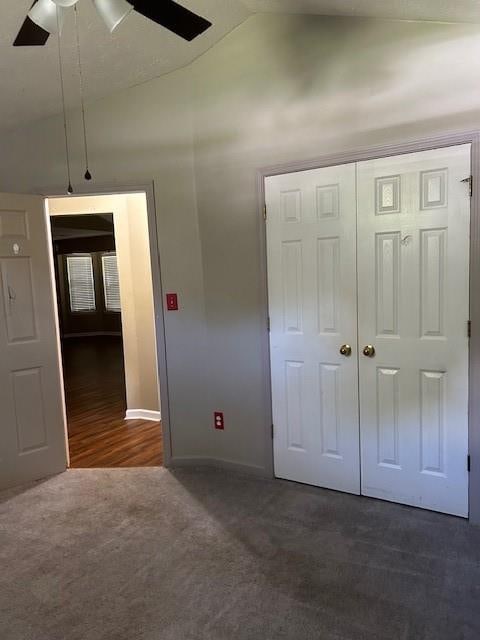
{"type": "Point", "coordinates": [469, 328]}
{"type": "Point", "coordinates": [272, 431]}
{"type": "Point", "coordinates": [469, 181]}
{"type": "Point", "coordinates": [468, 463]}
{"type": "Point", "coordinates": [264, 211]}
{"type": "Point", "coordinates": [268, 324]}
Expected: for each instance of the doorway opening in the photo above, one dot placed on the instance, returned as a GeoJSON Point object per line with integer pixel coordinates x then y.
{"type": "Point", "coordinates": [103, 280]}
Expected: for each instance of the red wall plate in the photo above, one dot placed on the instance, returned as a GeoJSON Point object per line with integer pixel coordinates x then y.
{"type": "Point", "coordinates": [219, 421]}
{"type": "Point", "coordinates": [172, 302]}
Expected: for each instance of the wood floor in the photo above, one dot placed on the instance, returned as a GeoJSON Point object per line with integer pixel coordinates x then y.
{"type": "Point", "coordinates": [98, 434]}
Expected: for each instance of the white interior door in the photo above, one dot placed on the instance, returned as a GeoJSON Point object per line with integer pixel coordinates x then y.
{"type": "Point", "coordinates": [32, 429]}
{"type": "Point", "coordinates": [312, 307]}
{"type": "Point", "coordinates": [413, 283]}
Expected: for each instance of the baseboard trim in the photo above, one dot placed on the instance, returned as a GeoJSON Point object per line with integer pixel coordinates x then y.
{"type": "Point", "coordinates": [219, 463]}
{"type": "Point", "coordinates": [143, 414]}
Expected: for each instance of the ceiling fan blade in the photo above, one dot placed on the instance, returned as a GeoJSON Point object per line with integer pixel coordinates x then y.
{"type": "Point", "coordinates": [172, 16]}
{"type": "Point", "coordinates": [31, 35]}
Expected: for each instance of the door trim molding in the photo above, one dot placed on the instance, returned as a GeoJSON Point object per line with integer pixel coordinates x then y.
{"type": "Point", "coordinates": [149, 190]}
{"type": "Point", "coordinates": [371, 153]}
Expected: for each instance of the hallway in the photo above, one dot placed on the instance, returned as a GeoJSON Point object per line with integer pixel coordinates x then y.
{"type": "Point", "coordinates": [99, 436]}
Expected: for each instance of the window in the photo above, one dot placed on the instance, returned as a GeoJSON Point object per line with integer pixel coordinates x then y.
{"type": "Point", "coordinates": [80, 283]}
{"type": "Point", "coordinates": [111, 286]}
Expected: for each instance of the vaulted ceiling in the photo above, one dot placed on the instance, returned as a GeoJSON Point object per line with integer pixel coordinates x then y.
{"type": "Point", "coordinates": [432, 10]}
{"type": "Point", "coordinates": [139, 50]}
{"type": "Point", "coordinates": [136, 52]}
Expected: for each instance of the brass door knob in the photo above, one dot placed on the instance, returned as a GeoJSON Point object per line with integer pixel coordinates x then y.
{"type": "Point", "coordinates": [369, 351]}
{"type": "Point", "coordinates": [346, 350]}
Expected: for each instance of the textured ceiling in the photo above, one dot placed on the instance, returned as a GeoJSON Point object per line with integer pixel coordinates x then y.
{"type": "Point", "coordinates": [140, 50]}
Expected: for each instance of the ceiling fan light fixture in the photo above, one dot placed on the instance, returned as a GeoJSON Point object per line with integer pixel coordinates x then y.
{"type": "Point", "coordinates": [44, 14]}
{"type": "Point", "coordinates": [65, 3]}
{"type": "Point", "coordinates": [113, 11]}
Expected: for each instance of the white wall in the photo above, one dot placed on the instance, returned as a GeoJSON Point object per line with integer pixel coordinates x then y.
{"type": "Point", "coordinates": [136, 293]}
{"type": "Point", "coordinates": [278, 88]}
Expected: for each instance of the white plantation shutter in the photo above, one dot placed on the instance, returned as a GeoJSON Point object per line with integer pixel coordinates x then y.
{"type": "Point", "coordinates": [111, 286]}
{"type": "Point", "coordinates": [80, 283]}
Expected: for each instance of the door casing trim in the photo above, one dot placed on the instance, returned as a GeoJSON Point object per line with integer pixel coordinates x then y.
{"type": "Point", "coordinates": [372, 153]}
{"type": "Point", "coordinates": [148, 189]}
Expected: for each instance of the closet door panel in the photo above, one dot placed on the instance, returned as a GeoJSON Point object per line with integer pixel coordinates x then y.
{"type": "Point", "coordinates": [413, 272]}
{"type": "Point", "coordinates": [312, 306]}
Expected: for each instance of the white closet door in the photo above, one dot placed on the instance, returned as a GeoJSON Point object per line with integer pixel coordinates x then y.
{"type": "Point", "coordinates": [32, 429]}
{"type": "Point", "coordinates": [312, 306]}
{"type": "Point", "coordinates": [413, 273]}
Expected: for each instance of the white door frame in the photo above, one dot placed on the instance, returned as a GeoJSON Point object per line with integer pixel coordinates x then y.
{"type": "Point", "coordinates": [148, 190]}
{"type": "Point", "coordinates": [371, 153]}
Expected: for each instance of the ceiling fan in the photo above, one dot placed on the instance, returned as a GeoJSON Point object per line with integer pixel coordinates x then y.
{"type": "Point", "coordinates": [46, 17]}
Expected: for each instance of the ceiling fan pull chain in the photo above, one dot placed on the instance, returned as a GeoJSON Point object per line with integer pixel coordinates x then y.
{"type": "Point", "coordinates": [88, 175]}
{"type": "Point", "coordinates": [60, 67]}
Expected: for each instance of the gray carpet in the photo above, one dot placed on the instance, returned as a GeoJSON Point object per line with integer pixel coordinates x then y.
{"type": "Point", "coordinates": [145, 554]}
